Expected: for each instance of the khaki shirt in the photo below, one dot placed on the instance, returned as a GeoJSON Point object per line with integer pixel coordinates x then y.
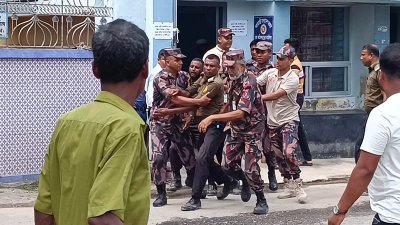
{"type": "Point", "coordinates": [373, 93]}
{"type": "Point", "coordinates": [215, 88]}
{"type": "Point", "coordinates": [284, 109]}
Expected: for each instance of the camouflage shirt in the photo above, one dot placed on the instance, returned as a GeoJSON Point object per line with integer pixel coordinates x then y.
{"type": "Point", "coordinates": [256, 71]}
{"type": "Point", "coordinates": [245, 95]}
{"type": "Point", "coordinates": [163, 82]}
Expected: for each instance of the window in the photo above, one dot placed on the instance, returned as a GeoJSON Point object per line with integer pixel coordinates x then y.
{"type": "Point", "coordinates": [324, 48]}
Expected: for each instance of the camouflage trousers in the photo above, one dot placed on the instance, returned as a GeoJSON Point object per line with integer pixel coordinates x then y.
{"type": "Point", "coordinates": [283, 140]}
{"type": "Point", "coordinates": [162, 138]}
{"type": "Point", "coordinates": [251, 147]}
{"type": "Point", "coordinates": [267, 150]}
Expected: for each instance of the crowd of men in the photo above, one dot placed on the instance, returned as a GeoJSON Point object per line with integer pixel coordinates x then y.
{"type": "Point", "coordinates": [96, 170]}
{"type": "Point", "coordinates": [224, 111]}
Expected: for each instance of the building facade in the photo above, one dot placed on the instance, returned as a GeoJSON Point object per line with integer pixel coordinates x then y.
{"type": "Point", "coordinates": [42, 77]}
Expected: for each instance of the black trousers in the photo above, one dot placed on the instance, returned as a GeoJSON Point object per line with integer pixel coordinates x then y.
{"type": "Point", "coordinates": [208, 145]}
{"type": "Point", "coordinates": [377, 221]}
{"type": "Point", "coordinates": [303, 143]}
{"type": "Point", "coordinates": [360, 138]}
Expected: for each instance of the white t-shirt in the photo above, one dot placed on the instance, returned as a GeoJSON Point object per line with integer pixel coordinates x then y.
{"type": "Point", "coordinates": [382, 137]}
{"type": "Point", "coordinates": [148, 87]}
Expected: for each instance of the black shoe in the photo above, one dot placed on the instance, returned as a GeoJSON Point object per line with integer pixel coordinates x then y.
{"type": "Point", "coordinates": [212, 190]}
{"type": "Point", "coordinates": [245, 193]}
{"type": "Point", "coordinates": [176, 183]}
{"type": "Point", "coordinates": [191, 205]}
{"type": "Point", "coordinates": [261, 205]}
{"type": "Point", "coordinates": [161, 197]}
{"type": "Point", "coordinates": [228, 187]}
{"type": "Point", "coordinates": [273, 184]}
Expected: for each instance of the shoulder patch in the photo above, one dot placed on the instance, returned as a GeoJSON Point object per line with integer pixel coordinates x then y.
{"type": "Point", "coordinates": [211, 79]}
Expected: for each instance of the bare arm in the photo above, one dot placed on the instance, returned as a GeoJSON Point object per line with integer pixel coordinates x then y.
{"type": "Point", "coordinates": [359, 180]}
{"type": "Point", "coordinates": [274, 95]}
{"type": "Point", "coordinates": [183, 101]}
{"type": "Point", "coordinates": [107, 218]}
{"type": "Point", "coordinates": [43, 219]}
{"type": "Point", "coordinates": [165, 112]}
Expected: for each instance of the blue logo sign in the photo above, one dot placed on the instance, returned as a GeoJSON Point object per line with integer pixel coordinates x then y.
{"type": "Point", "coordinates": [263, 28]}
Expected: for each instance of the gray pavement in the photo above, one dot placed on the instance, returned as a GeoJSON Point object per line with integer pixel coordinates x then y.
{"type": "Point", "coordinates": [325, 182]}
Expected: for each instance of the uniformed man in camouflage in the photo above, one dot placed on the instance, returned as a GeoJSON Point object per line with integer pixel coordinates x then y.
{"type": "Point", "coordinates": [195, 71]}
{"type": "Point", "coordinates": [263, 55]}
{"type": "Point", "coordinates": [283, 120]}
{"type": "Point", "coordinates": [207, 99]}
{"type": "Point", "coordinates": [165, 130]}
{"type": "Point", "coordinates": [245, 115]}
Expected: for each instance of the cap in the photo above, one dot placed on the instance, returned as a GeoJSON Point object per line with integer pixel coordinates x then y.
{"type": "Point", "coordinates": [233, 56]}
{"type": "Point", "coordinates": [225, 32]}
{"type": "Point", "coordinates": [264, 45]}
{"type": "Point", "coordinates": [175, 52]}
{"type": "Point", "coordinates": [286, 52]}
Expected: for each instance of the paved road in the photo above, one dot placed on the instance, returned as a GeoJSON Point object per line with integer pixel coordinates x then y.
{"type": "Point", "coordinates": [233, 211]}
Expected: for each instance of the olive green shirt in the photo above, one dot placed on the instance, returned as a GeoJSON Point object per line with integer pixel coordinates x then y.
{"type": "Point", "coordinates": [215, 88]}
{"type": "Point", "coordinates": [96, 162]}
{"type": "Point", "coordinates": [373, 93]}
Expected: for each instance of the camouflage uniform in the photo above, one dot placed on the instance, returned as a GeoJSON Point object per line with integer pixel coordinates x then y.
{"type": "Point", "coordinates": [183, 82]}
{"type": "Point", "coordinates": [246, 134]}
{"type": "Point", "coordinates": [165, 131]}
{"type": "Point", "coordinates": [257, 71]}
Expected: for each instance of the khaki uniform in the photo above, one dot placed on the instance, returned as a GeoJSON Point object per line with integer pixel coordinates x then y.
{"type": "Point", "coordinates": [373, 93]}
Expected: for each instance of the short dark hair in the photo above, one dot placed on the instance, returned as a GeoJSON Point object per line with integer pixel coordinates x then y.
{"type": "Point", "coordinates": [293, 42]}
{"type": "Point", "coordinates": [254, 42]}
{"type": "Point", "coordinates": [213, 56]}
{"type": "Point", "coordinates": [120, 49]}
{"type": "Point", "coordinates": [161, 54]}
{"type": "Point", "coordinates": [390, 61]}
{"type": "Point", "coordinates": [371, 49]}
{"type": "Point", "coordinates": [198, 60]}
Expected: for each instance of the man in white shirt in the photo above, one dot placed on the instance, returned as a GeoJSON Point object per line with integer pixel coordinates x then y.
{"type": "Point", "coordinates": [149, 82]}
{"type": "Point", "coordinates": [225, 36]}
{"type": "Point", "coordinates": [379, 162]}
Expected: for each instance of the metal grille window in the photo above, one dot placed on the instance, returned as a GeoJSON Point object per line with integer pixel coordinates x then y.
{"type": "Point", "coordinates": [53, 23]}
{"type": "Point", "coordinates": [324, 48]}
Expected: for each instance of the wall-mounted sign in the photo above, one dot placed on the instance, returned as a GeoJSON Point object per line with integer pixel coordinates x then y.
{"type": "Point", "coordinates": [263, 28]}
{"type": "Point", "coordinates": [239, 27]}
{"type": "Point", "coordinates": [3, 25]}
{"type": "Point", "coordinates": [163, 31]}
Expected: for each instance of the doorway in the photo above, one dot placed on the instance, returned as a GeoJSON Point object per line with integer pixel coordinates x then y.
{"type": "Point", "coordinates": [198, 23]}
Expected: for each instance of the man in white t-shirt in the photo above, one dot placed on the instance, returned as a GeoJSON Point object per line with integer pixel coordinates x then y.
{"type": "Point", "coordinates": [379, 162]}
{"type": "Point", "coordinates": [225, 36]}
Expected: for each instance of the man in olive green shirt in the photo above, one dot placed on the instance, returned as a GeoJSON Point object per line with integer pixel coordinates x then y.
{"type": "Point", "coordinates": [373, 95]}
{"type": "Point", "coordinates": [96, 170]}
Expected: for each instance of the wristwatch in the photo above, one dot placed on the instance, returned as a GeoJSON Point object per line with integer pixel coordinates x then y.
{"type": "Point", "coordinates": [338, 211]}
